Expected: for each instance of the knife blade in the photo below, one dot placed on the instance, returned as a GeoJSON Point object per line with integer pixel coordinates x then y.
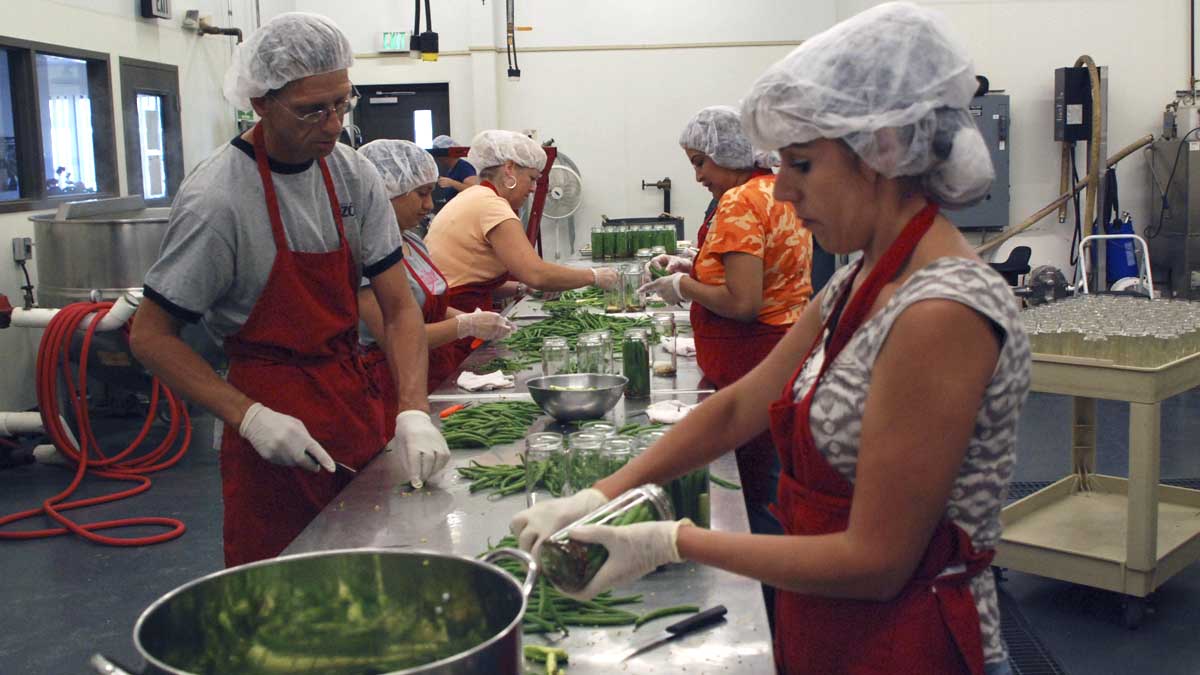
{"type": "Point", "coordinates": [679, 628]}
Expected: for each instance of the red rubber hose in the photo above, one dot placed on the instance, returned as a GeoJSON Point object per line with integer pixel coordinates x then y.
{"type": "Point", "coordinates": [52, 362]}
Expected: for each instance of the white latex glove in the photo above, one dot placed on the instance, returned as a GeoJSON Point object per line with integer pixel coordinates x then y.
{"type": "Point", "coordinates": [282, 439]}
{"type": "Point", "coordinates": [633, 552]}
{"type": "Point", "coordinates": [670, 263]}
{"type": "Point", "coordinates": [605, 277]}
{"type": "Point", "coordinates": [543, 519]}
{"type": "Point", "coordinates": [422, 450]}
{"type": "Point", "coordinates": [484, 325]}
{"type": "Point", "coordinates": [688, 253]}
{"type": "Point", "coordinates": [667, 288]}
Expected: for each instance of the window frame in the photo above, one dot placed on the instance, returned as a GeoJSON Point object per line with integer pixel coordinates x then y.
{"type": "Point", "coordinates": [173, 159]}
{"type": "Point", "coordinates": [27, 123]}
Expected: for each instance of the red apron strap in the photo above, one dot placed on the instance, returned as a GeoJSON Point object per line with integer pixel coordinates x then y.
{"type": "Point", "coordinates": [264, 172]}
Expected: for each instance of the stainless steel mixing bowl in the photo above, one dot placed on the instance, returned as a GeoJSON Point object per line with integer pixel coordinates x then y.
{"type": "Point", "coordinates": [581, 396]}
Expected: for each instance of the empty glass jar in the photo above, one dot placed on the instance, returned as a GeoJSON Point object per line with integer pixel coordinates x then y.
{"type": "Point", "coordinates": [631, 281]}
{"type": "Point", "coordinates": [556, 356]}
{"type": "Point", "coordinates": [664, 325]}
{"type": "Point", "coordinates": [589, 355]}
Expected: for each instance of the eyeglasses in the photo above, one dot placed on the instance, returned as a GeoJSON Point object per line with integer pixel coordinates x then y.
{"type": "Point", "coordinates": [320, 116]}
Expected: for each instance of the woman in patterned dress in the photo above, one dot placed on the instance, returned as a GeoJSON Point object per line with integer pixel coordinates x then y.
{"type": "Point", "coordinates": [901, 383]}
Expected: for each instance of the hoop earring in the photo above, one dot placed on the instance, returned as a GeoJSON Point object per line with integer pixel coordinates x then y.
{"type": "Point", "coordinates": [511, 187]}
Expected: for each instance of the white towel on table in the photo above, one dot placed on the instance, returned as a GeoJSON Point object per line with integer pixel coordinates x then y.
{"type": "Point", "coordinates": [472, 382]}
{"type": "Point", "coordinates": [684, 346]}
{"type": "Point", "coordinates": [668, 412]}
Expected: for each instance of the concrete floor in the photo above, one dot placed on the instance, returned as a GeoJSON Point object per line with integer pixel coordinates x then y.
{"type": "Point", "coordinates": [65, 599]}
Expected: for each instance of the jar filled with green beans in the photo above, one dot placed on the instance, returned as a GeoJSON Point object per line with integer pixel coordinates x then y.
{"type": "Point", "coordinates": [585, 463]}
{"type": "Point", "coordinates": [635, 357]}
{"type": "Point", "coordinates": [690, 494]}
{"type": "Point", "coordinates": [598, 242]}
{"type": "Point", "coordinates": [610, 242]}
{"type": "Point", "coordinates": [616, 453]}
{"type": "Point", "coordinates": [622, 242]}
{"type": "Point", "coordinates": [570, 565]}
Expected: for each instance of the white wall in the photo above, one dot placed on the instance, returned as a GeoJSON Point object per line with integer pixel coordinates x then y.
{"type": "Point", "coordinates": [617, 113]}
{"type": "Point", "coordinates": [112, 27]}
{"type": "Point", "coordinates": [1019, 43]}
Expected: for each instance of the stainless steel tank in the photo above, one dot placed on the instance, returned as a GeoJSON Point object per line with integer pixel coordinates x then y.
{"type": "Point", "coordinates": [96, 249]}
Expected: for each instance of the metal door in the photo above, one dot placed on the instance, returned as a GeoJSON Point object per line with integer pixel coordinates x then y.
{"type": "Point", "coordinates": [411, 112]}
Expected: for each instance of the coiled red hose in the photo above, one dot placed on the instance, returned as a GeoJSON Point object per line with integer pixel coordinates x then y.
{"type": "Point", "coordinates": [53, 360]}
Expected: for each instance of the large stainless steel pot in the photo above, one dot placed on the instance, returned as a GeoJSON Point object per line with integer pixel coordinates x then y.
{"type": "Point", "coordinates": [360, 611]}
{"type": "Point", "coordinates": [96, 249]}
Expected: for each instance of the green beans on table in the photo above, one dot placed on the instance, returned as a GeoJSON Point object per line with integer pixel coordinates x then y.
{"type": "Point", "coordinates": [489, 424]}
{"type": "Point", "coordinates": [572, 300]}
{"type": "Point", "coordinates": [549, 611]}
{"type": "Point", "coordinates": [570, 324]}
{"type": "Point", "coordinates": [509, 479]}
{"type": "Point", "coordinates": [665, 611]}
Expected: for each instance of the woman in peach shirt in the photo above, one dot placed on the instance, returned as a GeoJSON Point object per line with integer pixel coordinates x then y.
{"type": "Point", "coordinates": [479, 243]}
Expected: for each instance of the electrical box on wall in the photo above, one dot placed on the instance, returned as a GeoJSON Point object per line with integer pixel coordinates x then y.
{"type": "Point", "coordinates": [1072, 104]}
{"type": "Point", "coordinates": [156, 9]}
{"type": "Point", "coordinates": [991, 114]}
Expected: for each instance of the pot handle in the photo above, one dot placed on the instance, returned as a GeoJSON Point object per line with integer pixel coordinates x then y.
{"type": "Point", "coordinates": [531, 566]}
{"type": "Point", "coordinates": [105, 666]}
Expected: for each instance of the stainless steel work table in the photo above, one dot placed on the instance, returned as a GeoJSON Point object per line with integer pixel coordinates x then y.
{"type": "Point", "coordinates": [376, 511]}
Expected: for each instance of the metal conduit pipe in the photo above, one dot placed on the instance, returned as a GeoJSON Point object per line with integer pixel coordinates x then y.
{"type": "Point", "coordinates": [1061, 199]}
{"type": "Point", "coordinates": [39, 317]}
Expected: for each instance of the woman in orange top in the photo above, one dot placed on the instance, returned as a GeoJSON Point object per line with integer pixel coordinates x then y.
{"type": "Point", "coordinates": [749, 281]}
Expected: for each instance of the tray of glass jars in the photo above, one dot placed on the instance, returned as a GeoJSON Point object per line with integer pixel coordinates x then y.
{"type": "Point", "coordinates": [616, 242]}
{"type": "Point", "coordinates": [1113, 331]}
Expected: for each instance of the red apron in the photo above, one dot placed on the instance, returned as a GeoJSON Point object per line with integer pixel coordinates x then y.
{"type": "Point", "coordinates": [297, 354]}
{"type": "Point", "coordinates": [441, 359]}
{"type": "Point", "coordinates": [932, 626]}
{"type": "Point", "coordinates": [725, 351]}
{"type": "Point", "coordinates": [467, 298]}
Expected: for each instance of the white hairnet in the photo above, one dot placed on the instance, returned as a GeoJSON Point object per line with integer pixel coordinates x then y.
{"type": "Point", "coordinates": [444, 141]}
{"type": "Point", "coordinates": [717, 132]}
{"type": "Point", "coordinates": [497, 146]}
{"type": "Point", "coordinates": [291, 46]}
{"type": "Point", "coordinates": [404, 165]}
{"type": "Point", "coordinates": [895, 66]}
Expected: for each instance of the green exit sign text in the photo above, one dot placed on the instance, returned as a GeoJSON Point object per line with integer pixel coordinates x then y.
{"type": "Point", "coordinates": [394, 41]}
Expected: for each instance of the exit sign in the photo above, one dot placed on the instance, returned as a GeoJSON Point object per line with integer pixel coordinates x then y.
{"type": "Point", "coordinates": [394, 41]}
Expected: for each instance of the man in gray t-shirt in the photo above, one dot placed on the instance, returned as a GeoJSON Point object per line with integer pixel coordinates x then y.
{"type": "Point", "coordinates": [267, 241]}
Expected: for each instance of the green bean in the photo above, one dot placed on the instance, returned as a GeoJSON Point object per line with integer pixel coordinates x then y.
{"type": "Point", "coordinates": [665, 611]}
{"type": "Point", "coordinates": [549, 610]}
{"type": "Point", "coordinates": [570, 324]}
{"type": "Point", "coordinates": [489, 424]}
{"type": "Point", "coordinates": [539, 653]}
{"type": "Point", "coordinates": [728, 485]}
